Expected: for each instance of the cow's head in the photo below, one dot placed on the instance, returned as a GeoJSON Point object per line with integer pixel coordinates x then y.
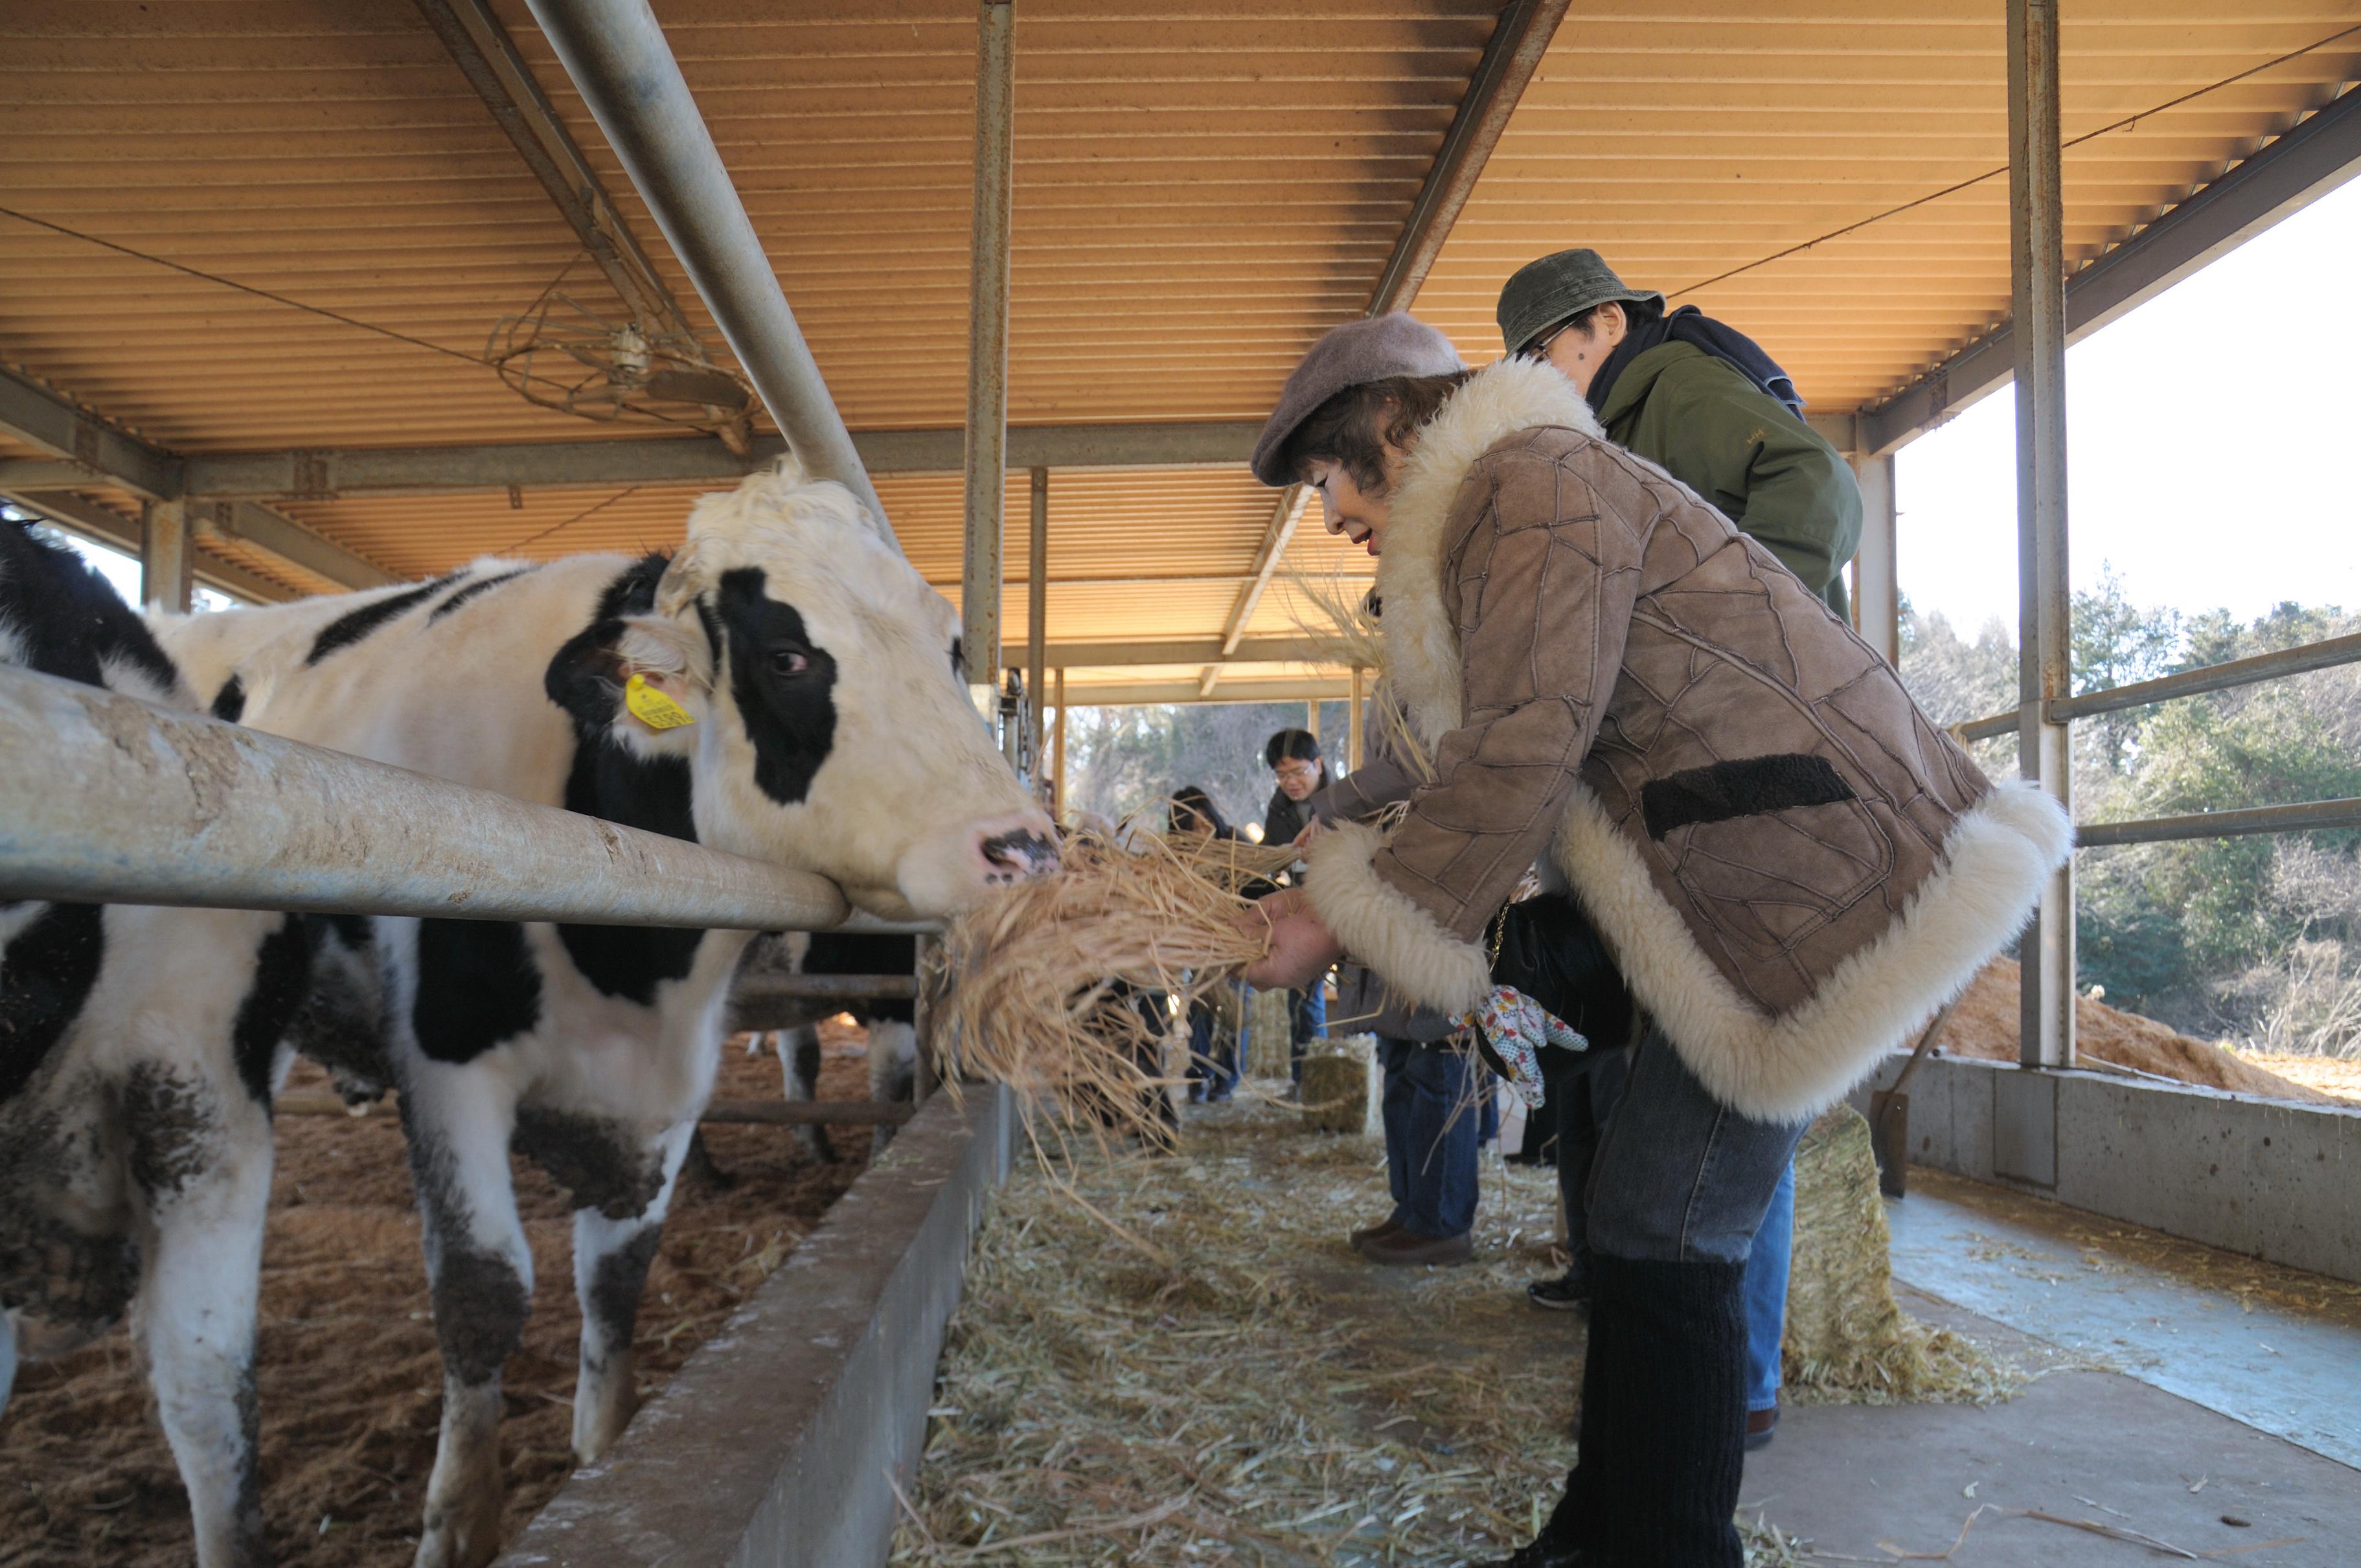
{"type": "Point", "coordinates": [834, 731]}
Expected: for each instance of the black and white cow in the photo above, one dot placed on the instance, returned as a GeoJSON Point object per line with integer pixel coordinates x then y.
{"type": "Point", "coordinates": [138, 1051]}
{"type": "Point", "coordinates": [828, 728]}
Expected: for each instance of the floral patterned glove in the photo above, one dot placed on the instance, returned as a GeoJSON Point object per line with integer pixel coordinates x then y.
{"type": "Point", "coordinates": [1516, 1027]}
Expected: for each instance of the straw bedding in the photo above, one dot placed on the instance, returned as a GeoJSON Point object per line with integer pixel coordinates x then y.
{"type": "Point", "coordinates": [1214, 1378]}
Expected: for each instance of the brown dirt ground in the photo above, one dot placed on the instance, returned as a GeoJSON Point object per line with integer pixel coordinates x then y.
{"type": "Point", "coordinates": [1984, 1025]}
{"type": "Point", "coordinates": [349, 1380]}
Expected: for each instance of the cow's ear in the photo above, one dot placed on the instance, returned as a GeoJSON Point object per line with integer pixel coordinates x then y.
{"type": "Point", "coordinates": [667, 671]}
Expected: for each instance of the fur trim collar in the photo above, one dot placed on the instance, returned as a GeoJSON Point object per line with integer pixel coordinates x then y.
{"type": "Point", "coordinates": [1421, 646]}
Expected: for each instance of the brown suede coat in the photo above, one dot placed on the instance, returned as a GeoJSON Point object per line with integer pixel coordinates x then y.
{"type": "Point", "coordinates": [1793, 864]}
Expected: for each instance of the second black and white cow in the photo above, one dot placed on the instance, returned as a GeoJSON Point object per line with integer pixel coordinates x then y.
{"type": "Point", "coordinates": [811, 713]}
{"type": "Point", "coordinates": [138, 1051]}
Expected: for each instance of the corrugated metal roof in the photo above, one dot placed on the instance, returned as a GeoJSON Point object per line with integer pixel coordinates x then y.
{"type": "Point", "coordinates": [1196, 199]}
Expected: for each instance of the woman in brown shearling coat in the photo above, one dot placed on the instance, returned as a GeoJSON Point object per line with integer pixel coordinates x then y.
{"type": "Point", "coordinates": [1794, 866]}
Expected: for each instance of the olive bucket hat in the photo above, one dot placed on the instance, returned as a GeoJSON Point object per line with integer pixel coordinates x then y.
{"type": "Point", "coordinates": [1557, 288]}
{"type": "Point", "coordinates": [1371, 349]}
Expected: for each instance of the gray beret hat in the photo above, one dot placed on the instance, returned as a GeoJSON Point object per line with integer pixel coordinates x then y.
{"type": "Point", "coordinates": [1556, 289]}
{"type": "Point", "coordinates": [1367, 350]}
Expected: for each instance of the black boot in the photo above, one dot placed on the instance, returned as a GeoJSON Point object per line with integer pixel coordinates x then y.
{"type": "Point", "coordinates": [1664, 1423]}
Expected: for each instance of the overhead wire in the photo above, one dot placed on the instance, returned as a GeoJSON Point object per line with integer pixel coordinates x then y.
{"type": "Point", "coordinates": [1953, 190]}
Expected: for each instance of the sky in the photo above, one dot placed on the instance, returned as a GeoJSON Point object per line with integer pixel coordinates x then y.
{"type": "Point", "coordinates": [2211, 445]}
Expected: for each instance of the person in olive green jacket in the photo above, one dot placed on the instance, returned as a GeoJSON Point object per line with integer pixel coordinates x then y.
{"type": "Point", "coordinates": [1697, 399]}
{"type": "Point", "coordinates": [1703, 402]}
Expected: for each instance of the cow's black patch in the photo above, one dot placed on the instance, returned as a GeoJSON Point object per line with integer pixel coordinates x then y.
{"type": "Point", "coordinates": [477, 986]}
{"type": "Point", "coordinates": [841, 952]}
{"type": "Point", "coordinates": [229, 703]}
{"type": "Point", "coordinates": [1746, 787]}
{"type": "Point", "coordinates": [582, 674]}
{"type": "Point", "coordinates": [282, 976]}
{"type": "Point", "coordinates": [353, 625]}
{"type": "Point", "coordinates": [599, 1167]}
{"type": "Point", "coordinates": [609, 780]}
{"type": "Point", "coordinates": [469, 590]}
{"type": "Point", "coordinates": [783, 683]}
{"type": "Point", "coordinates": [68, 621]}
{"type": "Point", "coordinates": [617, 1284]}
{"type": "Point", "coordinates": [44, 981]}
{"type": "Point", "coordinates": [341, 1024]}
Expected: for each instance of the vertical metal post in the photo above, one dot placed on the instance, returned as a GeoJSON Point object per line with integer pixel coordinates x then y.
{"type": "Point", "coordinates": [987, 365]}
{"type": "Point", "coordinates": [1036, 616]}
{"type": "Point", "coordinates": [167, 556]}
{"type": "Point", "coordinates": [1058, 768]}
{"type": "Point", "coordinates": [2038, 272]}
{"type": "Point", "coordinates": [1877, 597]}
{"type": "Point", "coordinates": [1311, 717]}
{"type": "Point", "coordinates": [1353, 721]}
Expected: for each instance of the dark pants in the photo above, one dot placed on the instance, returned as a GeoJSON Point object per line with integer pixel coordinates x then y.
{"type": "Point", "coordinates": [1677, 1190]}
{"type": "Point", "coordinates": [1213, 1073]}
{"type": "Point", "coordinates": [1432, 1124]}
{"type": "Point", "coordinates": [1586, 1100]}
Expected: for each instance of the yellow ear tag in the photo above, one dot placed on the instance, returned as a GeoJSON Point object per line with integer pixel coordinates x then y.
{"type": "Point", "coordinates": [652, 707]}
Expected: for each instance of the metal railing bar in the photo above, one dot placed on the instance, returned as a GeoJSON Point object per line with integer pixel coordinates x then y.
{"type": "Point", "coordinates": [825, 988]}
{"type": "Point", "coordinates": [106, 799]}
{"type": "Point", "coordinates": [2301, 659]}
{"type": "Point", "coordinates": [2303, 817]}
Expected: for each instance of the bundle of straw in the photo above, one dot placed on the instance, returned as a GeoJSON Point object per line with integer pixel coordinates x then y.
{"type": "Point", "coordinates": [1055, 986]}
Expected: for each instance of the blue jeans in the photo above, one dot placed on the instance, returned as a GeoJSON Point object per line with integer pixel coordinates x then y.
{"type": "Point", "coordinates": [1681, 1178]}
{"type": "Point", "coordinates": [1766, 1293]}
{"type": "Point", "coordinates": [1307, 1019]}
{"type": "Point", "coordinates": [1586, 1097]}
{"type": "Point", "coordinates": [1431, 1123]}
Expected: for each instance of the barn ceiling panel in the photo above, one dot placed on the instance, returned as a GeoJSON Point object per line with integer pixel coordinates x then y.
{"type": "Point", "coordinates": [1196, 199]}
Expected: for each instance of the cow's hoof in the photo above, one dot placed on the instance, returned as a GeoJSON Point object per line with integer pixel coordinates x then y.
{"type": "Point", "coordinates": [451, 1543]}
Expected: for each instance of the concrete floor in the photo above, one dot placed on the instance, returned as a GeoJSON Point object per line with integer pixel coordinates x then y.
{"type": "Point", "coordinates": [2173, 1378]}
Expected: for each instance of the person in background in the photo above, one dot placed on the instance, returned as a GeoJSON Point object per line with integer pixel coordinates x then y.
{"type": "Point", "coordinates": [1213, 1069]}
{"type": "Point", "coordinates": [1437, 1100]}
{"type": "Point", "coordinates": [1704, 402]}
{"type": "Point", "coordinates": [1293, 756]}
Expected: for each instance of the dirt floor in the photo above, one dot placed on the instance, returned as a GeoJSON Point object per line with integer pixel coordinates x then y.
{"type": "Point", "coordinates": [1984, 1026]}
{"type": "Point", "coordinates": [349, 1380]}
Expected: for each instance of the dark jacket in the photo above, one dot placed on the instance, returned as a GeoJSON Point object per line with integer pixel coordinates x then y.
{"type": "Point", "coordinates": [1764, 469]}
{"type": "Point", "coordinates": [1282, 820]}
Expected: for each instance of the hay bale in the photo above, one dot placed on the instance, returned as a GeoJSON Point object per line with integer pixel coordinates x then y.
{"type": "Point", "coordinates": [1269, 1033]}
{"type": "Point", "coordinates": [1847, 1339]}
{"type": "Point", "coordinates": [1341, 1090]}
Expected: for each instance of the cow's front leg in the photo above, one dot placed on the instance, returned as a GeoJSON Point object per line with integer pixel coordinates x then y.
{"type": "Point", "coordinates": [479, 1271]}
{"type": "Point", "coordinates": [800, 1056]}
{"type": "Point", "coordinates": [206, 1193]}
{"type": "Point", "coordinates": [610, 1268]}
{"type": "Point", "coordinates": [893, 1072]}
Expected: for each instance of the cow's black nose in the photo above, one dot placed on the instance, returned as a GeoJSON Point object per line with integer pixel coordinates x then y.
{"type": "Point", "coordinates": [1021, 852]}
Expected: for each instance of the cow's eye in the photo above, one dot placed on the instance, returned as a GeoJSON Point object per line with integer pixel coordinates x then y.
{"type": "Point", "coordinates": [789, 661]}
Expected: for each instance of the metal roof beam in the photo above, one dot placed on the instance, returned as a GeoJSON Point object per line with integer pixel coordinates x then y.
{"type": "Point", "coordinates": [277, 534]}
{"type": "Point", "coordinates": [479, 46]}
{"type": "Point", "coordinates": [1510, 57]}
{"type": "Point", "coordinates": [1192, 651]}
{"type": "Point", "coordinates": [1124, 694]}
{"type": "Point", "coordinates": [90, 447]}
{"type": "Point", "coordinates": [618, 56]}
{"type": "Point", "coordinates": [2284, 177]}
{"type": "Point", "coordinates": [318, 474]}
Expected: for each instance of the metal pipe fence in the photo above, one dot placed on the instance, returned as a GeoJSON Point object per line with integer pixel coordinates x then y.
{"type": "Point", "coordinates": [107, 799]}
{"type": "Point", "coordinates": [2229, 675]}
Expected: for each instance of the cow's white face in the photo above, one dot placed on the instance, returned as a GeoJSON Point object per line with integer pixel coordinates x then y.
{"type": "Point", "coordinates": [834, 731]}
